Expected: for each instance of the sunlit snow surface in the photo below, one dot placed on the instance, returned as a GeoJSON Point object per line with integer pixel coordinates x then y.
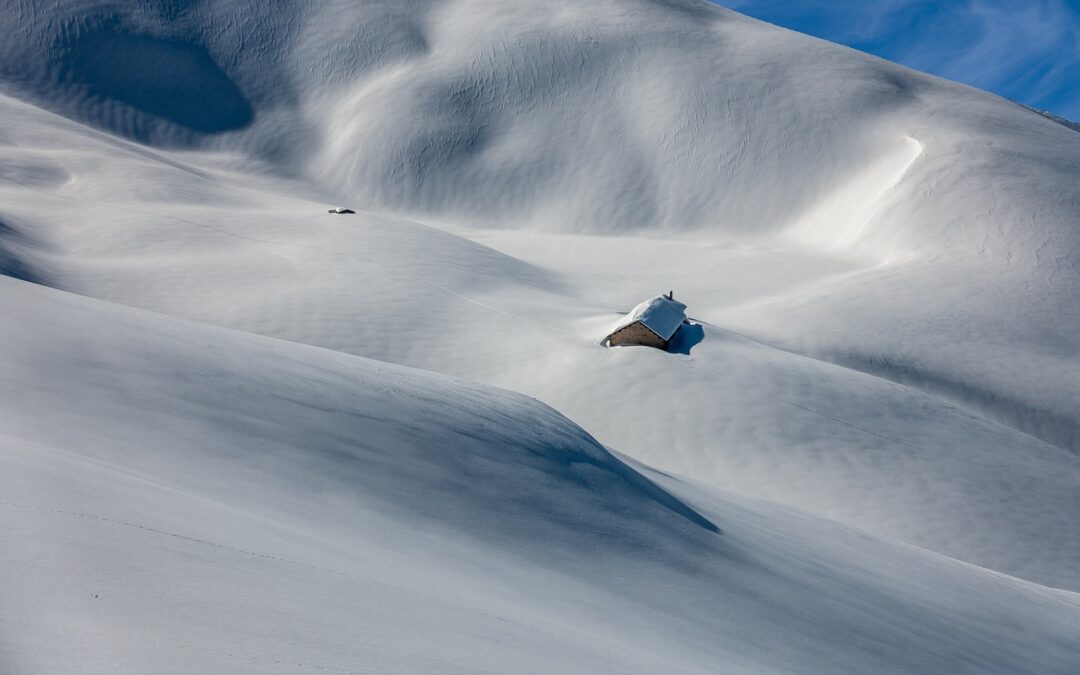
{"type": "Point", "coordinates": [865, 462]}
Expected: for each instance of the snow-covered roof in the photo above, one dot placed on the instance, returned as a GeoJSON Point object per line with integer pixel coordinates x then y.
{"type": "Point", "coordinates": [661, 315]}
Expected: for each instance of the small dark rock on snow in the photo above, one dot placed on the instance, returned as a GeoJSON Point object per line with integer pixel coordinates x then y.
{"type": "Point", "coordinates": [341, 209]}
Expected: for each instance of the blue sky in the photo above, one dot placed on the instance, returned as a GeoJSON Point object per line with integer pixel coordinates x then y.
{"type": "Point", "coordinates": [1026, 50]}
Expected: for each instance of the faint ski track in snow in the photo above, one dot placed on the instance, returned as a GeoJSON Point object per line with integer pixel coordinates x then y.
{"type": "Point", "coordinates": [517, 316]}
{"type": "Point", "coordinates": [175, 535]}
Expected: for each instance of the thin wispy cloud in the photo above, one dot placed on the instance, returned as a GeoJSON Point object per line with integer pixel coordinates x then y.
{"type": "Point", "coordinates": [1028, 51]}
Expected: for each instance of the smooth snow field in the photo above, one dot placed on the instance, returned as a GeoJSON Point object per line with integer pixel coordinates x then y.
{"type": "Point", "coordinates": [241, 434]}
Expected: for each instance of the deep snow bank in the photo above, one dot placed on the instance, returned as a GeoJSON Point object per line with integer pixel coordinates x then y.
{"type": "Point", "coordinates": [431, 435]}
{"type": "Point", "coordinates": [180, 498]}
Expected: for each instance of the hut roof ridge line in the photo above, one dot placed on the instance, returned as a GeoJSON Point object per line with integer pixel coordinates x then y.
{"type": "Point", "coordinates": [661, 315]}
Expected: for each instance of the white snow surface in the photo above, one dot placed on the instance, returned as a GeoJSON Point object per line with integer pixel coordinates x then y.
{"type": "Point", "coordinates": [220, 450]}
{"type": "Point", "coordinates": [200, 500]}
{"type": "Point", "coordinates": [661, 315]}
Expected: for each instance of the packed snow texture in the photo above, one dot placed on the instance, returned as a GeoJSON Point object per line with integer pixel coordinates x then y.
{"type": "Point", "coordinates": [883, 268]}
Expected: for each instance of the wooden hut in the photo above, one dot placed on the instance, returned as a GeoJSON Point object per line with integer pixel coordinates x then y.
{"type": "Point", "coordinates": [652, 323]}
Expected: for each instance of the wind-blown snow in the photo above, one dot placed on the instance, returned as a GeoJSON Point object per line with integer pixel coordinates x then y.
{"type": "Point", "coordinates": [881, 267]}
{"type": "Point", "coordinates": [326, 511]}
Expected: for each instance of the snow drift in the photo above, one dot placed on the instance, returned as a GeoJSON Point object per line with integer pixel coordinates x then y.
{"type": "Point", "coordinates": [323, 511]}
{"type": "Point", "coordinates": [882, 267]}
{"type": "Point", "coordinates": [976, 315]}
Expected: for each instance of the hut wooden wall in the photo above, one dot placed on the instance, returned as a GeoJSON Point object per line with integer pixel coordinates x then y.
{"type": "Point", "coordinates": [636, 334]}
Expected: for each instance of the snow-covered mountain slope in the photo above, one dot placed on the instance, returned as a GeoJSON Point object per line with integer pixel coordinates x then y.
{"type": "Point", "coordinates": [882, 267]}
{"type": "Point", "coordinates": [972, 457]}
{"type": "Point", "coordinates": [616, 116]}
{"type": "Point", "coordinates": [198, 499]}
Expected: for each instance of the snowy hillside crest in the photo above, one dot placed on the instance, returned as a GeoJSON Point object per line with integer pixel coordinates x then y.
{"type": "Point", "coordinates": [242, 430]}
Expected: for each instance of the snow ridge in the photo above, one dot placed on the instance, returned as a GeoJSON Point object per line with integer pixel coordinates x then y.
{"type": "Point", "coordinates": [868, 462]}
